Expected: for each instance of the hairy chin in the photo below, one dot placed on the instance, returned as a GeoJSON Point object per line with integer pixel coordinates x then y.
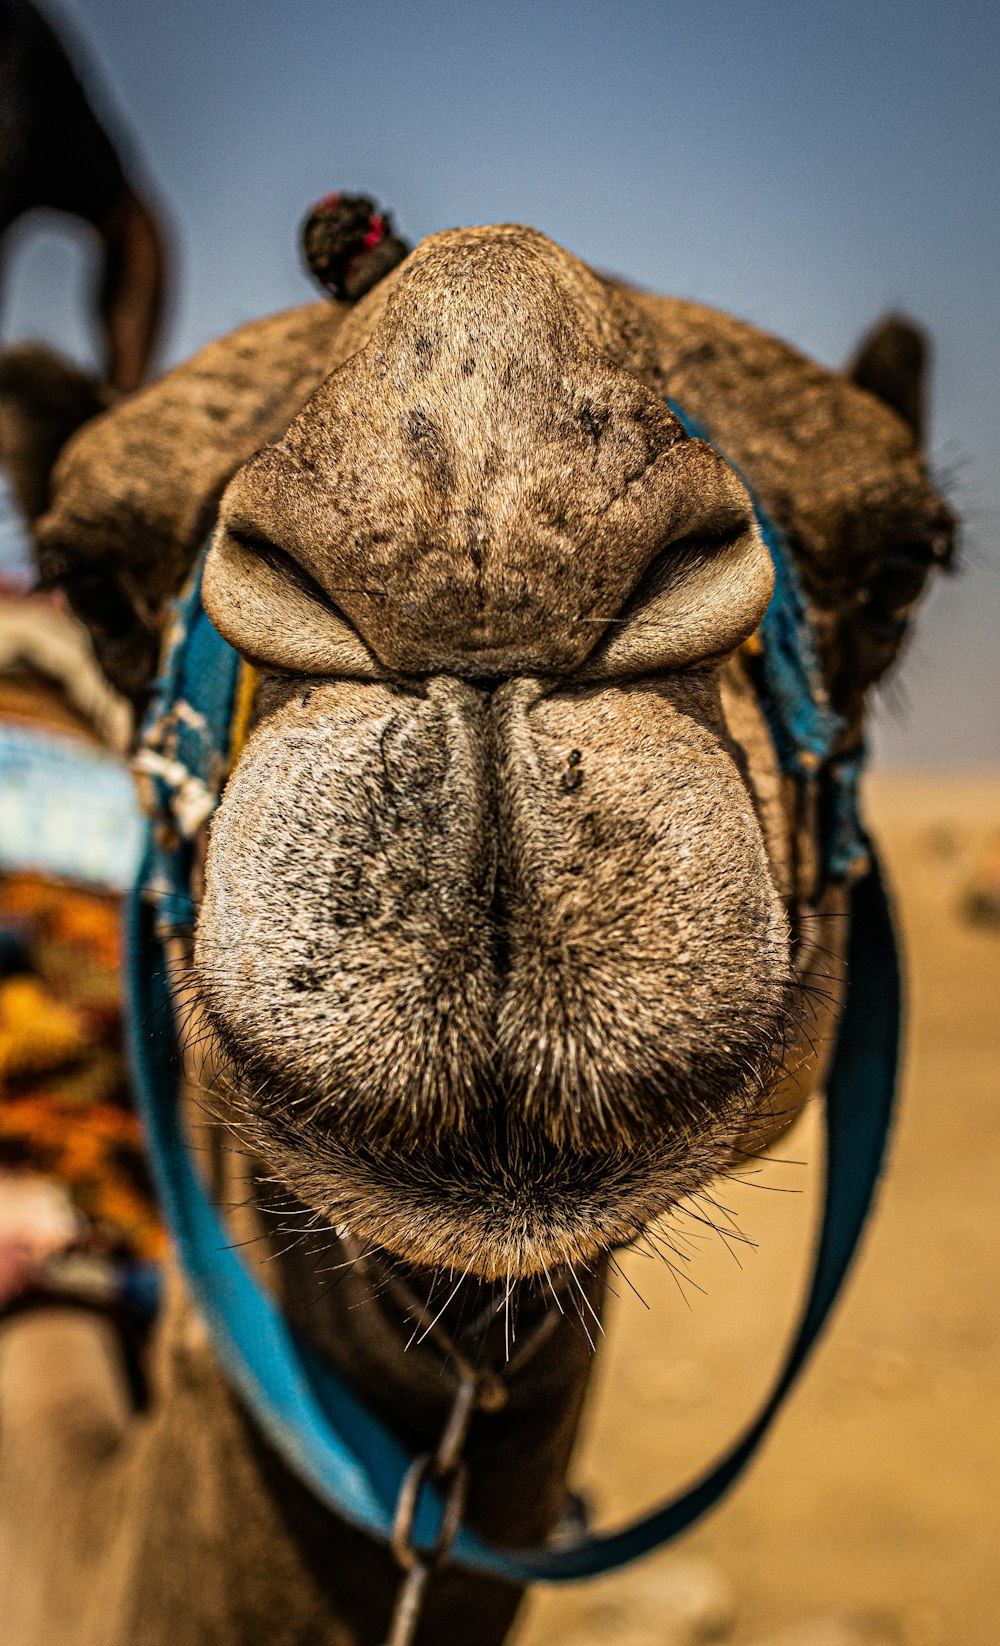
{"type": "Point", "coordinates": [496, 1213]}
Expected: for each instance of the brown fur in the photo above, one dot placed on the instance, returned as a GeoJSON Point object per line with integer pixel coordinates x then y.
{"type": "Point", "coordinates": [505, 933]}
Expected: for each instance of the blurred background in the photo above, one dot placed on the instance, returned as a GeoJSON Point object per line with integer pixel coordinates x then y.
{"type": "Point", "coordinates": [806, 168]}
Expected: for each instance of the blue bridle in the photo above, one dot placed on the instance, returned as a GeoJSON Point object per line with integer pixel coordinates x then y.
{"type": "Point", "coordinates": [328, 1437]}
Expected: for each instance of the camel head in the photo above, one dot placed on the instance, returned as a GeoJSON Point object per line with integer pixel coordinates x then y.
{"type": "Point", "coordinates": [500, 937]}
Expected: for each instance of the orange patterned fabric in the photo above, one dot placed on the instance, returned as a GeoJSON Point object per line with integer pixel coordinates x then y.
{"type": "Point", "coordinates": [65, 1106]}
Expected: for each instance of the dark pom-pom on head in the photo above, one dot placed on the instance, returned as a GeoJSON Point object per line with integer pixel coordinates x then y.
{"type": "Point", "coordinates": [349, 245]}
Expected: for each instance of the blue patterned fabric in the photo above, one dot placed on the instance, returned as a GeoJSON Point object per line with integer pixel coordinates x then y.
{"type": "Point", "coordinates": [183, 755]}
{"type": "Point", "coordinates": [805, 728]}
{"type": "Point", "coordinates": [66, 810]}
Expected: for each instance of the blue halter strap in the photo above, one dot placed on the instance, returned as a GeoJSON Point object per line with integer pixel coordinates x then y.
{"type": "Point", "coordinates": [328, 1437]}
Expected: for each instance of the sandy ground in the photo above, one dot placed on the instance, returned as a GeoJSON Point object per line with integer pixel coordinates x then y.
{"type": "Point", "coordinates": [872, 1517]}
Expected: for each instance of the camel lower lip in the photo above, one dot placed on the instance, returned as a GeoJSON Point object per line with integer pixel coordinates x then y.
{"type": "Point", "coordinates": [453, 1215]}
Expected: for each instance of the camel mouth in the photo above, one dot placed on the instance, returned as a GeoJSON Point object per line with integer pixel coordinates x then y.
{"type": "Point", "coordinates": [496, 1195]}
{"type": "Point", "coordinates": [497, 1203]}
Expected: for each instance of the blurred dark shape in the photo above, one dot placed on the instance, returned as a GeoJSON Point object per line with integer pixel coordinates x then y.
{"type": "Point", "coordinates": [350, 245]}
{"type": "Point", "coordinates": [15, 953]}
{"type": "Point", "coordinates": [942, 842]}
{"type": "Point", "coordinates": [43, 400]}
{"type": "Point", "coordinates": [55, 153]}
{"type": "Point", "coordinates": [981, 898]}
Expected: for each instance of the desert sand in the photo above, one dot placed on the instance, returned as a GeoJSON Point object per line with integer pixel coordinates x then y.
{"type": "Point", "coordinates": [872, 1516]}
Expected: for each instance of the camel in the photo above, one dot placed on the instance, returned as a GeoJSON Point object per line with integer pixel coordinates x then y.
{"type": "Point", "coordinates": [509, 931]}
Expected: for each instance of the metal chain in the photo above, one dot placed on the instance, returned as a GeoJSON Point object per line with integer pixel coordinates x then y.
{"type": "Point", "coordinates": [449, 1473]}
{"type": "Point", "coordinates": [479, 1389]}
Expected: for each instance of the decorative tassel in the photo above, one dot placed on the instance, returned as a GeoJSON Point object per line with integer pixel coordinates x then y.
{"type": "Point", "coordinates": [350, 245]}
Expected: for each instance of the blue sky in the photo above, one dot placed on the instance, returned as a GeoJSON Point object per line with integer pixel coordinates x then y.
{"type": "Point", "coordinates": [805, 167]}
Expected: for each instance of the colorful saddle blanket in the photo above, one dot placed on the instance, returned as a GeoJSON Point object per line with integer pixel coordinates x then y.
{"type": "Point", "coordinates": [77, 1213]}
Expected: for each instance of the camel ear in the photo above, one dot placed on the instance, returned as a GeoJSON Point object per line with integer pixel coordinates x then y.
{"type": "Point", "coordinates": [891, 362]}
{"type": "Point", "coordinates": [44, 399]}
{"type": "Point", "coordinates": [134, 493]}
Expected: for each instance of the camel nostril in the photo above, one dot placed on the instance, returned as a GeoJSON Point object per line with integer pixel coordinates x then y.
{"type": "Point", "coordinates": [272, 611]}
{"type": "Point", "coordinates": [701, 598]}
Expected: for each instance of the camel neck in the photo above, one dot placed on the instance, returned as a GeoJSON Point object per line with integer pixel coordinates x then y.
{"type": "Point", "coordinates": [517, 1457]}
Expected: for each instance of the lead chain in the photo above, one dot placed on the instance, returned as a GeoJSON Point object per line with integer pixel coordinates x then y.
{"type": "Point", "coordinates": [448, 1472]}
{"type": "Point", "coordinates": [478, 1389]}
